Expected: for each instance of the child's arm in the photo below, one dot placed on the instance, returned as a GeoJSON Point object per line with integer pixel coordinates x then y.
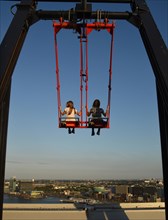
{"type": "Point", "coordinates": [107, 111]}
{"type": "Point", "coordinates": [79, 113]}
{"type": "Point", "coordinates": [104, 114]}
{"type": "Point", "coordinates": [62, 113]}
{"type": "Point", "coordinates": [88, 114]}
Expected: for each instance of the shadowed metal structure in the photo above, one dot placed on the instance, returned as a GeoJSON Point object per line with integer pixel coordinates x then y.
{"type": "Point", "coordinates": [140, 16]}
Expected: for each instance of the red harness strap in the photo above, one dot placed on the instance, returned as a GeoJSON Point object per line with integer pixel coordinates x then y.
{"type": "Point", "coordinates": [111, 31]}
{"type": "Point", "coordinates": [57, 76]}
{"type": "Point", "coordinates": [83, 78]}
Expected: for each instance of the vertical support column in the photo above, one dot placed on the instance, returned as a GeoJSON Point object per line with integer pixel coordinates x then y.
{"type": "Point", "coordinates": [9, 52]}
{"type": "Point", "coordinates": [4, 115]}
{"type": "Point", "coordinates": [163, 120]}
{"type": "Point", "coordinates": [158, 56]}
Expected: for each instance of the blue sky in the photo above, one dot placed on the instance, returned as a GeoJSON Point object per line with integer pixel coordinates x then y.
{"type": "Point", "coordinates": [37, 148]}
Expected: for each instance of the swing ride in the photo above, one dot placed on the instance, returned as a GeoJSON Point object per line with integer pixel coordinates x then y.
{"type": "Point", "coordinates": [83, 29]}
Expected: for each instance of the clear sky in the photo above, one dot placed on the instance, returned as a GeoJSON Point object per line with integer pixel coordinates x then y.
{"type": "Point", "coordinates": [37, 148]}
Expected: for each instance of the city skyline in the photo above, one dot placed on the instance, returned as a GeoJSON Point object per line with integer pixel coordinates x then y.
{"type": "Point", "coordinates": [133, 179]}
{"type": "Point", "coordinates": [87, 191]}
{"type": "Point", "coordinates": [37, 148]}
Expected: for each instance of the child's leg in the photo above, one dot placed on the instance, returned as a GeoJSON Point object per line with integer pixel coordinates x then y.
{"type": "Point", "coordinates": [98, 131]}
{"type": "Point", "coordinates": [69, 130]}
{"type": "Point", "coordinates": [93, 133]}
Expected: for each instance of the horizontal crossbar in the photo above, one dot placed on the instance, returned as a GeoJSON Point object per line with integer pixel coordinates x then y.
{"type": "Point", "coordinates": [90, 1]}
{"type": "Point", "coordinates": [51, 15]}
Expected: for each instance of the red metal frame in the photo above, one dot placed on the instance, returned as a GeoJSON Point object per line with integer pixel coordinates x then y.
{"type": "Point", "coordinates": [111, 31]}
{"type": "Point", "coordinates": [57, 77]}
{"type": "Point", "coordinates": [87, 28]}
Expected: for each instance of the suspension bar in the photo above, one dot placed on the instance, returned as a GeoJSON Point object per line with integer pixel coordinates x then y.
{"type": "Point", "coordinates": [68, 15]}
{"type": "Point", "coordinates": [90, 1]}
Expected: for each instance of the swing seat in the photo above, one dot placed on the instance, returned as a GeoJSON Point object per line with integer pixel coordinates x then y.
{"type": "Point", "coordinates": [72, 123]}
{"type": "Point", "coordinates": [98, 122]}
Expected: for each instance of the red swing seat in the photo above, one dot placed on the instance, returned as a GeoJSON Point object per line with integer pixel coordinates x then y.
{"type": "Point", "coordinates": [64, 123]}
{"type": "Point", "coordinates": [98, 122]}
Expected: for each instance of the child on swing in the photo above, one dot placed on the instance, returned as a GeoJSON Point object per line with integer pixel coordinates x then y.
{"type": "Point", "coordinates": [70, 112]}
{"type": "Point", "coordinates": [96, 113]}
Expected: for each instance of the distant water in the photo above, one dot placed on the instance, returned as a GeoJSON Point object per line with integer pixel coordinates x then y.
{"type": "Point", "coordinates": [15, 199]}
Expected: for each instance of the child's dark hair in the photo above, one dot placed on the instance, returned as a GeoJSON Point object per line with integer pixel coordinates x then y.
{"type": "Point", "coordinates": [96, 103]}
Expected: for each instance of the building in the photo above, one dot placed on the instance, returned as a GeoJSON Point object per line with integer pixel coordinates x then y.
{"type": "Point", "coordinates": [151, 190]}
{"type": "Point", "coordinates": [6, 187]}
{"type": "Point", "coordinates": [12, 184]}
{"type": "Point", "coordinates": [122, 189]}
{"type": "Point", "coordinates": [26, 186]}
{"type": "Point", "coordinates": [137, 190]}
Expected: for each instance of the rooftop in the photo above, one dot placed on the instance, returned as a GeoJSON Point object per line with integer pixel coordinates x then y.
{"type": "Point", "coordinates": [131, 211]}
